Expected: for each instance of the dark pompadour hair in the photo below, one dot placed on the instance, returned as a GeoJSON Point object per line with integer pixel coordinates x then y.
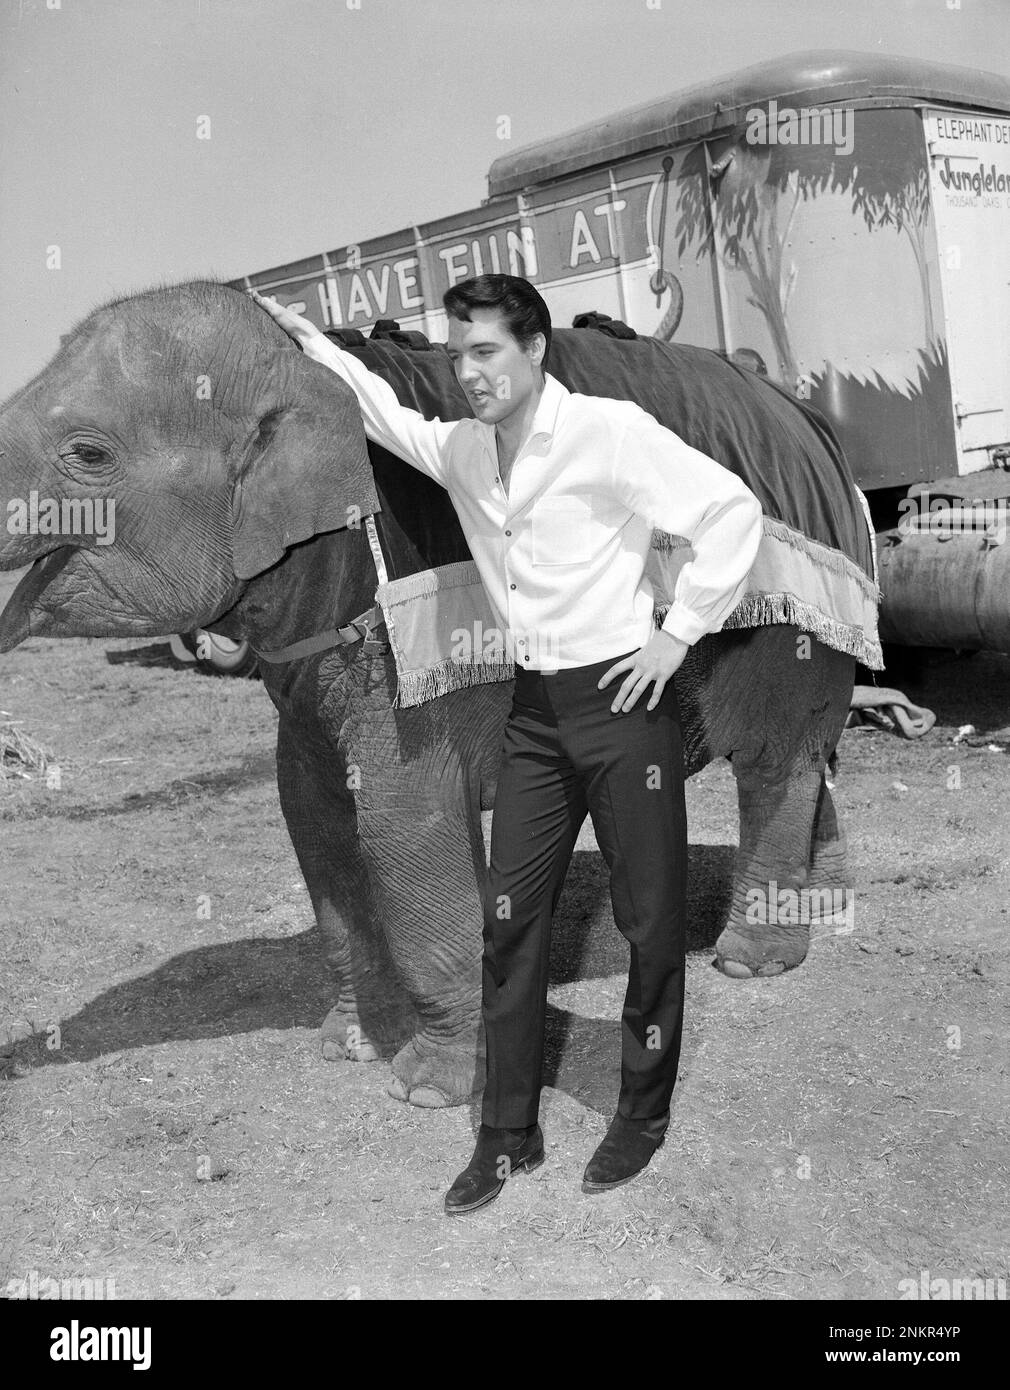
{"type": "Point", "coordinates": [522, 307]}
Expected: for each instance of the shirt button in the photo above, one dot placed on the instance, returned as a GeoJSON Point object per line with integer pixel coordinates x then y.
{"type": "Point", "coordinates": [511, 586]}
{"type": "Point", "coordinates": [508, 533]}
{"type": "Point", "coordinates": [525, 658]}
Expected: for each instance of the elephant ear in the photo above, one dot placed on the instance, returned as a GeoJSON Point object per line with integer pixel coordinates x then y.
{"type": "Point", "coordinates": [305, 471]}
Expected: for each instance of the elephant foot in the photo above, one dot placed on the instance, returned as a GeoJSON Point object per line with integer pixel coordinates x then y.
{"type": "Point", "coordinates": [744, 956]}
{"type": "Point", "coordinates": [435, 1074]}
{"type": "Point", "coordinates": [344, 1039]}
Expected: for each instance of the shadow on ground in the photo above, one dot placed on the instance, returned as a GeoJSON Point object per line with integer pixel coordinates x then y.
{"type": "Point", "coordinates": [155, 654]}
{"type": "Point", "coordinates": [161, 654]}
{"type": "Point", "coordinates": [252, 984]}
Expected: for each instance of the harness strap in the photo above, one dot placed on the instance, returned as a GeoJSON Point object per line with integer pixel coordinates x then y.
{"type": "Point", "coordinates": [358, 629]}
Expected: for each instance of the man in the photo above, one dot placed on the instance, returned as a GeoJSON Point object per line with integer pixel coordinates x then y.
{"type": "Point", "coordinates": [558, 495]}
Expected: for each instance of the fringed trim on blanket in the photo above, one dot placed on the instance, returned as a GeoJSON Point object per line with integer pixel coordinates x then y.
{"type": "Point", "coordinates": [432, 613]}
{"type": "Point", "coordinates": [758, 610]}
{"type": "Point", "coordinates": [435, 581]}
{"type": "Point", "coordinates": [415, 687]}
{"type": "Point", "coordinates": [833, 561]}
{"type": "Point", "coordinates": [761, 610]}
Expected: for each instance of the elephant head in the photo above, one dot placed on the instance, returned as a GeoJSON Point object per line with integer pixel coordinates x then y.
{"type": "Point", "coordinates": [176, 446]}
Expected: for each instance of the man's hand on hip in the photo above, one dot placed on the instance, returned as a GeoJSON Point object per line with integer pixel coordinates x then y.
{"type": "Point", "coordinates": [656, 661]}
{"type": "Point", "coordinates": [294, 325]}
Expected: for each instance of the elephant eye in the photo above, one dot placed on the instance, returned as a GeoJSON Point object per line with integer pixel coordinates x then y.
{"type": "Point", "coordinates": [90, 453]}
{"type": "Point", "coordinates": [86, 454]}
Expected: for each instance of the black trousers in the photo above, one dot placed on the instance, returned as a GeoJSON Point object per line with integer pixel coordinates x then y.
{"type": "Point", "coordinates": [565, 754]}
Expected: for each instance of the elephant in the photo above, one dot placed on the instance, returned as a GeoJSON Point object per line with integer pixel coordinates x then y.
{"type": "Point", "coordinates": [238, 468]}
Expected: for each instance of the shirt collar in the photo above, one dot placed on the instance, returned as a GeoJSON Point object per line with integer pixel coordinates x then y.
{"type": "Point", "coordinates": [545, 418]}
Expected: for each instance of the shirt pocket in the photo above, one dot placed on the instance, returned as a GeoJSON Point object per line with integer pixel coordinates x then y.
{"type": "Point", "coordinates": [562, 531]}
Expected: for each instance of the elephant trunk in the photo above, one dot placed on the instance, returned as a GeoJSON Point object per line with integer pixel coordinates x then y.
{"type": "Point", "coordinates": [21, 540]}
{"type": "Point", "coordinates": [41, 527]}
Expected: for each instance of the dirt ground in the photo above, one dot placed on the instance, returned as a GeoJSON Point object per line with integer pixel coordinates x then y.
{"type": "Point", "coordinates": [169, 1124]}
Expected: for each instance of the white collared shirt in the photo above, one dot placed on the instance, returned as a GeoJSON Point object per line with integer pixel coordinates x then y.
{"type": "Point", "coordinates": [562, 554]}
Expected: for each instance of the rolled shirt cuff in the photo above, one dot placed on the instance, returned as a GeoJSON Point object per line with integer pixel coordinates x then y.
{"type": "Point", "coordinates": [681, 622]}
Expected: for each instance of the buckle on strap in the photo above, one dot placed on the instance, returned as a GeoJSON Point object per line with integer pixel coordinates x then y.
{"type": "Point", "coordinates": [358, 629]}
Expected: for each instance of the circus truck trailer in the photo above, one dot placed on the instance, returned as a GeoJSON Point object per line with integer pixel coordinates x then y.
{"type": "Point", "coordinates": [837, 221]}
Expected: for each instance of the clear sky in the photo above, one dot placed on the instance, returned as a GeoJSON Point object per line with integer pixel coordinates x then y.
{"type": "Point", "coordinates": [336, 120]}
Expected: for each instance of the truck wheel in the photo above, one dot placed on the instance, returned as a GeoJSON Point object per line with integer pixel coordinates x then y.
{"type": "Point", "coordinates": [214, 652]}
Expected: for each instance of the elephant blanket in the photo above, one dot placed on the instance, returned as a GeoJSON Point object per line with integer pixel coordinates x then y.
{"type": "Point", "coordinates": [815, 568]}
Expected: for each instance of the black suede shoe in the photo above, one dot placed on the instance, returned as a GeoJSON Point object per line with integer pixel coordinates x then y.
{"type": "Point", "coordinates": [627, 1148]}
{"type": "Point", "coordinates": [499, 1153]}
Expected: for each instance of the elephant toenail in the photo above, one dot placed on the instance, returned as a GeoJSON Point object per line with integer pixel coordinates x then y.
{"type": "Point", "coordinates": [736, 970]}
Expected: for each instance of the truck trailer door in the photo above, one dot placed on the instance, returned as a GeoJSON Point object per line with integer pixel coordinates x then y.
{"type": "Point", "coordinates": [969, 161]}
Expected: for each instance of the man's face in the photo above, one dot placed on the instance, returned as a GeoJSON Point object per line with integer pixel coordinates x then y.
{"type": "Point", "coordinates": [497, 374]}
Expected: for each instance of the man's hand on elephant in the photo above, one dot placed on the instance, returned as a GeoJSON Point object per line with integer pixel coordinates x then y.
{"type": "Point", "coordinates": [294, 325]}
{"type": "Point", "coordinates": [656, 661]}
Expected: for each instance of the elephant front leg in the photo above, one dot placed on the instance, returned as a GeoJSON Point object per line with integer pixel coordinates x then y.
{"type": "Point", "coordinates": [427, 863]}
{"type": "Point", "coordinates": [372, 1015]}
{"type": "Point", "coordinates": [829, 866]}
{"type": "Point", "coordinates": [768, 930]}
